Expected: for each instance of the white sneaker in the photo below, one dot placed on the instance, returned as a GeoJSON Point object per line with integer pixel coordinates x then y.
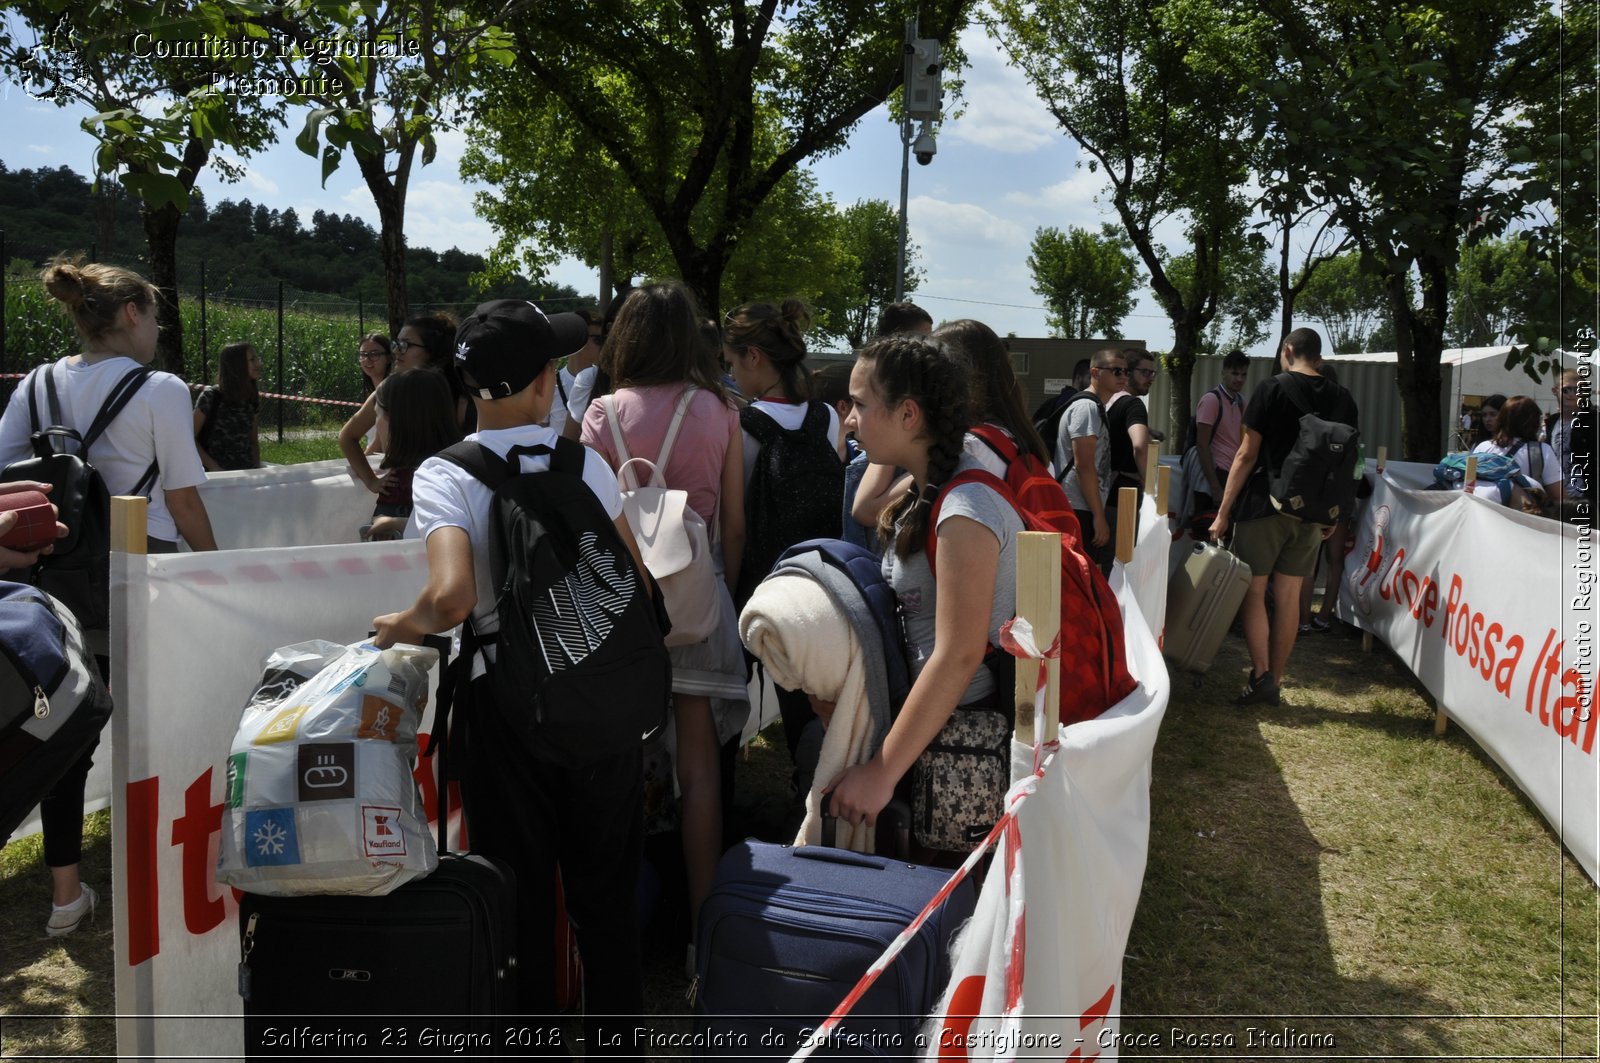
{"type": "Point", "coordinates": [64, 919]}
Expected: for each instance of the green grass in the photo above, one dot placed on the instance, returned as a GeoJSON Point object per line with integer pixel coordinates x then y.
{"type": "Point", "coordinates": [296, 450]}
{"type": "Point", "coordinates": [1332, 858]}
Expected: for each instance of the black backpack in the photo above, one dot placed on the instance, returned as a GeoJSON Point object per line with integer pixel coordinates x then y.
{"type": "Point", "coordinates": [1064, 462]}
{"type": "Point", "coordinates": [1317, 481]}
{"type": "Point", "coordinates": [1047, 420]}
{"type": "Point", "coordinates": [795, 492]}
{"type": "Point", "coordinates": [580, 669]}
{"type": "Point", "coordinates": [78, 570]}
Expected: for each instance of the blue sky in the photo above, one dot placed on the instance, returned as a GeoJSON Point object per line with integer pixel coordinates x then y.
{"type": "Point", "coordinates": [1003, 169]}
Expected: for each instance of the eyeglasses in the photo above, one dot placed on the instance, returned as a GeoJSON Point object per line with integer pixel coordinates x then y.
{"type": "Point", "coordinates": [1145, 372]}
{"type": "Point", "coordinates": [369, 354]}
{"type": "Point", "coordinates": [401, 346]}
{"type": "Point", "coordinates": [1114, 370]}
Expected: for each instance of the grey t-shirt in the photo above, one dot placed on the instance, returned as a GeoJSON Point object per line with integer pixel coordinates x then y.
{"type": "Point", "coordinates": [913, 580]}
{"type": "Point", "coordinates": [1083, 419]}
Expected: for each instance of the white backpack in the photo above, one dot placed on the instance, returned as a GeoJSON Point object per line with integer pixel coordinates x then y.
{"type": "Point", "coordinates": [672, 537]}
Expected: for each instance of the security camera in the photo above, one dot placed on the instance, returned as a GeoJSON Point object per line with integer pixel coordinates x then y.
{"type": "Point", "coordinates": [924, 147]}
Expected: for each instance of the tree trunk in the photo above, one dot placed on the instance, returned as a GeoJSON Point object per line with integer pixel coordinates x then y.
{"type": "Point", "coordinates": [161, 233]}
{"type": "Point", "coordinates": [605, 270]}
{"type": "Point", "coordinates": [1180, 369]}
{"type": "Point", "coordinates": [1422, 429]}
{"type": "Point", "coordinates": [390, 198]}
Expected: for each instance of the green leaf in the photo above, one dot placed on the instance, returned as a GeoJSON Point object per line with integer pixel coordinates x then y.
{"type": "Point", "coordinates": [157, 189]}
{"type": "Point", "coordinates": [307, 140]}
{"type": "Point", "coordinates": [330, 162]}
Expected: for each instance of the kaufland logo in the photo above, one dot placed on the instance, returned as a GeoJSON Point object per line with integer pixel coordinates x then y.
{"type": "Point", "coordinates": [380, 831]}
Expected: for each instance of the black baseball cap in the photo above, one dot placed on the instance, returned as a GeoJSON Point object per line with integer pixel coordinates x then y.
{"type": "Point", "coordinates": [504, 344]}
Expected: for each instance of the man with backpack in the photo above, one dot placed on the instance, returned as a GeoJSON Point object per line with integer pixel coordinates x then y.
{"type": "Point", "coordinates": [1292, 481]}
{"type": "Point", "coordinates": [1218, 425]}
{"type": "Point", "coordinates": [1083, 446]}
{"type": "Point", "coordinates": [527, 544]}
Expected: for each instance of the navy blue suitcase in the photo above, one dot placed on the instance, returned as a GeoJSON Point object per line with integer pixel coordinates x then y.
{"type": "Point", "coordinates": [787, 932]}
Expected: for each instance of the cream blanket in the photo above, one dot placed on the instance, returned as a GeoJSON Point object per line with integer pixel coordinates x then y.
{"type": "Point", "coordinates": [807, 644]}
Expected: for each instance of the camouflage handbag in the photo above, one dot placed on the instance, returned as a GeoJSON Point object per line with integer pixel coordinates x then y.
{"type": "Point", "coordinates": [960, 781]}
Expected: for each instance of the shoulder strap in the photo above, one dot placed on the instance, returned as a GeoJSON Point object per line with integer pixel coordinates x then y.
{"type": "Point", "coordinates": [761, 427]}
{"type": "Point", "coordinates": [996, 440]}
{"type": "Point", "coordinates": [816, 420]}
{"type": "Point", "coordinates": [1295, 391]}
{"type": "Point", "coordinates": [119, 398]}
{"type": "Point", "coordinates": [487, 467]}
{"type": "Point", "coordinates": [1536, 464]}
{"type": "Point", "coordinates": [672, 434]}
{"type": "Point", "coordinates": [970, 476]}
{"type": "Point", "coordinates": [608, 403]}
{"type": "Point", "coordinates": [561, 387]}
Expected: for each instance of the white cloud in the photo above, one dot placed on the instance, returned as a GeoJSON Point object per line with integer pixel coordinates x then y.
{"type": "Point", "coordinates": [937, 223]}
{"type": "Point", "coordinates": [42, 149]}
{"type": "Point", "coordinates": [1001, 112]}
{"type": "Point", "coordinates": [439, 215]}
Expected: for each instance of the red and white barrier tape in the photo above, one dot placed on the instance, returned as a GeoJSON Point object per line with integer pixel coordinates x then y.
{"type": "Point", "coordinates": [1016, 638]}
{"type": "Point", "coordinates": [266, 394]}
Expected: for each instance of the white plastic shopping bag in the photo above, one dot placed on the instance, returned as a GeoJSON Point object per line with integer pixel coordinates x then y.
{"type": "Point", "coordinates": [321, 797]}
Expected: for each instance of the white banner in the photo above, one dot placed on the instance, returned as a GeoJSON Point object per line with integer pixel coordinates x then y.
{"type": "Point", "coordinates": [1147, 572]}
{"type": "Point", "coordinates": [1079, 859]}
{"type": "Point", "coordinates": [186, 656]}
{"type": "Point", "coordinates": [315, 504]}
{"type": "Point", "coordinates": [1493, 610]}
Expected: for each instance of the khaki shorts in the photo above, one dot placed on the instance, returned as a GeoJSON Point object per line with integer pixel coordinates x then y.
{"type": "Point", "coordinates": [1277, 543]}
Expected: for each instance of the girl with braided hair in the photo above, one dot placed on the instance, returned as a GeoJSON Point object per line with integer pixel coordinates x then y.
{"type": "Point", "coordinates": [911, 407]}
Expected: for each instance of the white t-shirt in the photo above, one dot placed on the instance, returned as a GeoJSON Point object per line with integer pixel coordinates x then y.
{"type": "Point", "coordinates": [444, 495]}
{"type": "Point", "coordinates": [577, 390]}
{"type": "Point", "coordinates": [158, 423]}
{"type": "Point", "coordinates": [1550, 474]}
{"type": "Point", "coordinates": [789, 415]}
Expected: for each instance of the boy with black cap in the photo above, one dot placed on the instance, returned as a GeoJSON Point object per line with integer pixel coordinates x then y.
{"type": "Point", "coordinates": [521, 809]}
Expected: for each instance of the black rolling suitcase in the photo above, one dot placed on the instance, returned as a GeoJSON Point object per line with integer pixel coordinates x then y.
{"type": "Point", "coordinates": [424, 971]}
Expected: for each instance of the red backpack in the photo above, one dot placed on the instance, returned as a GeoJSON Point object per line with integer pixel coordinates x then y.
{"type": "Point", "coordinates": [1094, 663]}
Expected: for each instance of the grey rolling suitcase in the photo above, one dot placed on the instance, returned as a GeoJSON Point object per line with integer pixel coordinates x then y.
{"type": "Point", "coordinates": [1203, 596]}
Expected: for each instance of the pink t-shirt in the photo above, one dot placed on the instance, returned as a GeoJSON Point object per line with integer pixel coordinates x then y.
{"type": "Point", "coordinates": [695, 464]}
{"type": "Point", "coordinates": [1228, 419]}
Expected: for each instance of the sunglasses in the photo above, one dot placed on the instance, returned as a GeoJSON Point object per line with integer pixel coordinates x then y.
{"type": "Point", "coordinates": [1114, 370]}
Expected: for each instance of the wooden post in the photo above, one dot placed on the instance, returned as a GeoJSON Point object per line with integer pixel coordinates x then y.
{"type": "Point", "coordinates": [1441, 721]}
{"type": "Point", "coordinates": [1472, 474]}
{"type": "Point", "coordinates": [1383, 458]}
{"type": "Point", "coordinates": [1127, 522]}
{"type": "Point", "coordinates": [1366, 642]}
{"type": "Point", "coordinates": [1163, 490]}
{"type": "Point", "coordinates": [1038, 602]}
{"type": "Point", "coordinates": [130, 517]}
{"type": "Point", "coordinates": [1151, 464]}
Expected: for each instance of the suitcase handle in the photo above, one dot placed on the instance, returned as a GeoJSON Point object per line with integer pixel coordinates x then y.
{"type": "Point", "coordinates": [897, 811]}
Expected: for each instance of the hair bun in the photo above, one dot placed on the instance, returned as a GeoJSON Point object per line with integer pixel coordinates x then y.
{"type": "Point", "coordinates": [64, 282]}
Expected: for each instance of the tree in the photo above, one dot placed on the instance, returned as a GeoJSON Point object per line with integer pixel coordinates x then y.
{"type": "Point", "coordinates": [1247, 293]}
{"type": "Point", "coordinates": [158, 119]}
{"type": "Point", "coordinates": [1349, 302]}
{"type": "Point", "coordinates": [407, 82]}
{"type": "Point", "coordinates": [1168, 132]}
{"type": "Point", "coordinates": [1501, 295]}
{"type": "Point", "coordinates": [674, 94]}
{"type": "Point", "coordinates": [1087, 280]}
{"type": "Point", "coordinates": [1408, 123]}
{"type": "Point", "coordinates": [871, 228]}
